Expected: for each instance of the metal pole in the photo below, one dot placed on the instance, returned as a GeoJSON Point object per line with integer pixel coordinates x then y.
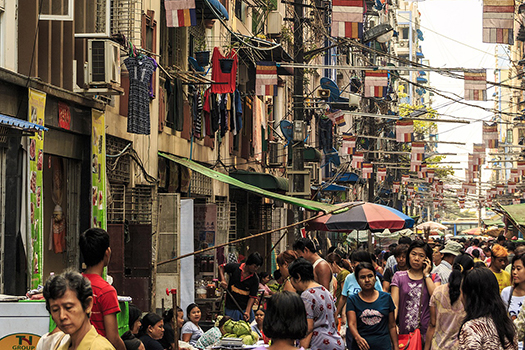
{"type": "Point", "coordinates": [298, 146]}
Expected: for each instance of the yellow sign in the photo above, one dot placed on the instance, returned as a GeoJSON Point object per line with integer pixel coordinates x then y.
{"type": "Point", "coordinates": [19, 341]}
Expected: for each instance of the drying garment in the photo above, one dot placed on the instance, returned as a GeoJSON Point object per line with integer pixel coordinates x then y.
{"type": "Point", "coordinates": [214, 113]}
{"type": "Point", "coordinates": [325, 134]}
{"type": "Point", "coordinates": [223, 122]}
{"type": "Point", "coordinates": [228, 80]}
{"type": "Point", "coordinates": [197, 114]}
{"type": "Point", "coordinates": [140, 70]}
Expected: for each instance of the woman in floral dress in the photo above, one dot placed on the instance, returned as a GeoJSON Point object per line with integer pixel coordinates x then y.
{"type": "Point", "coordinates": [319, 303]}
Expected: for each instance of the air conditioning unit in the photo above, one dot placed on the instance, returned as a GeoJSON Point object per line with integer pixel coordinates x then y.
{"type": "Point", "coordinates": [103, 63]}
{"type": "Point", "coordinates": [275, 23]}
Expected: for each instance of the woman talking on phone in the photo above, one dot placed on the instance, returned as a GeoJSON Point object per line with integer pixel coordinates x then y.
{"type": "Point", "coordinates": [411, 290]}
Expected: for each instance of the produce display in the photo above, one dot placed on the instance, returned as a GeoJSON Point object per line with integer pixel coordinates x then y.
{"type": "Point", "coordinates": [240, 329]}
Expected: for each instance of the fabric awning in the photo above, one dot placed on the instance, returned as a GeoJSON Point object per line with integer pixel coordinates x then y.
{"type": "Point", "coordinates": [20, 124]}
{"type": "Point", "coordinates": [330, 187]}
{"type": "Point", "coordinates": [261, 180]}
{"type": "Point", "coordinates": [305, 203]}
{"type": "Point", "coordinates": [516, 213]}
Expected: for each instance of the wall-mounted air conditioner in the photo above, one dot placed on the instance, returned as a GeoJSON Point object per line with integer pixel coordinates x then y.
{"type": "Point", "coordinates": [103, 62]}
{"type": "Point", "coordinates": [102, 74]}
{"type": "Point", "coordinates": [275, 23]}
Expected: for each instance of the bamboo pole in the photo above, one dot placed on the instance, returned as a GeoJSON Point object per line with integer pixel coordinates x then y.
{"type": "Point", "coordinates": [343, 208]}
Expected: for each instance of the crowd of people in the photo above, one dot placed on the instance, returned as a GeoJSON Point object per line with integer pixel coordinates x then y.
{"type": "Point", "coordinates": [466, 295]}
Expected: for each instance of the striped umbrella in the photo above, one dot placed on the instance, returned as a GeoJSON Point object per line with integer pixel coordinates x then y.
{"type": "Point", "coordinates": [363, 216]}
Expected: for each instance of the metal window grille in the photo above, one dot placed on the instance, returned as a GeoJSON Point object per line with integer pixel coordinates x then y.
{"type": "Point", "coordinates": [266, 217]}
{"type": "Point", "coordinates": [201, 184]}
{"type": "Point", "coordinates": [169, 228]}
{"type": "Point", "coordinates": [138, 204]}
{"type": "Point", "coordinates": [2, 214]}
{"type": "Point", "coordinates": [118, 168]}
{"type": "Point", "coordinates": [223, 220]}
{"type": "Point", "coordinates": [232, 230]}
{"type": "Point", "coordinates": [117, 208]}
{"type": "Point", "coordinates": [126, 18]}
{"type": "Point", "coordinates": [73, 210]}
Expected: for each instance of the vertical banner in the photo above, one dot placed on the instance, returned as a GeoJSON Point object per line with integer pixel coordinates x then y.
{"type": "Point", "coordinates": [37, 108]}
{"type": "Point", "coordinates": [98, 168]}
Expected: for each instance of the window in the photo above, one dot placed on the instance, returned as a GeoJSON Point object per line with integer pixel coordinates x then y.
{"type": "Point", "coordinates": [92, 18]}
{"type": "Point", "coordinates": [405, 33]}
{"type": "Point", "coordinates": [57, 10]}
{"type": "Point", "coordinates": [509, 136]}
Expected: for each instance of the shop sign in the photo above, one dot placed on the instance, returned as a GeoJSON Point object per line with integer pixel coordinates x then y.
{"type": "Point", "coordinates": [64, 116]}
{"type": "Point", "coordinates": [19, 341]}
{"type": "Point", "coordinates": [37, 107]}
{"type": "Point", "coordinates": [98, 169]}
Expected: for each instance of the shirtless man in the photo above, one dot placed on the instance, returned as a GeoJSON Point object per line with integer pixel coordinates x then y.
{"type": "Point", "coordinates": [322, 270]}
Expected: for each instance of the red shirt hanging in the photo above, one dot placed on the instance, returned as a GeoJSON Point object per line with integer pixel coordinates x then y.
{"type": "Point", "coordinates": [218, 76]}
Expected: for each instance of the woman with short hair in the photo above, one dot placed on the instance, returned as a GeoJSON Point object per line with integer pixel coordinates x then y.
{"type": "Point", "coordinates": [320, 306]}
{"type": "Point", "coordinates": [69, 300]}
{"type": "Point", "coordinates": [285, 321]}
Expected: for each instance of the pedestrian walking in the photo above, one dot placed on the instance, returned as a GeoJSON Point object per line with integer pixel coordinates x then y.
{"type": "Point", "coordinates": [322, 271]}
{"type": "Point", "coordinates": [497, 265]}
{"type": "Point", "coordinates": [411, 290]}
{"type": "Point", "coordinates": [284, 260]}
{"type": "Point", "coordinates": [400, 254]}
{"type": "Point", "coordinates": [69, 300]}
{"type": "Point", "coordinates": [446, 308]}
{"type": "Point", "coordinates": [242, 287]}
{"type": "Point", "coordinates": [486, 324]}
{"type": "Point", "coordinates": [95, 249]}
{"type": "Point", "coordinates": [370, 314]}
{"type": "Point", "coordinates": [448, 254]}
{"type": "Point", "coordinates": [285, 321]}
{"type": "Point", "coordinates": [319, 304]}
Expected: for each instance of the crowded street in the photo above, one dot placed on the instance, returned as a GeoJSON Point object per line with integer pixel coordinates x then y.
{"type": "Point", "coordinates": [262, 174]}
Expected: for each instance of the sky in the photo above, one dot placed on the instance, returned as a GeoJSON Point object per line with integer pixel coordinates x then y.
{"type": "Point", "coordinates": [453, 38]}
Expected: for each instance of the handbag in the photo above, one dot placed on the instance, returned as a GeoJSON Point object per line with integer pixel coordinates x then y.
{"type": "Point", "coordinates": [413, 340]}
{"type": "Point", "coordinates": [410, 341]}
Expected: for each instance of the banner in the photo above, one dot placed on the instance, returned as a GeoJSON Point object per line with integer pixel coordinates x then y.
{"type": "Point", "coordinates": [367, 170]}
{"type": "Point", "coordinates": [180, 13]}
{"type": "Point", "coordinates": [475, 85]}
{"type": "Point", "coordinates": [37, 108]}
{"type": "Point", "coordinates": [498, 21]}
{"type": "Point", "coordinates": [357, 159]}
{"type": "Point", "coordinates": [404, 131]}
{"type": "Point", "coordinates": [347, 18]}
{"type": "Point", "coordinates": [266, 79]}
{"type": "Point", "coordinates": [381, 174]}
{"type": "Point", "coordinates": [376, 83]}
{"type": "Point", "coordinates": [98, 169]}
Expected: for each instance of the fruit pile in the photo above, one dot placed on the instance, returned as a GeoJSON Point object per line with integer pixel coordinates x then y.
{"type": "Point", "coordinates": [240, 329]}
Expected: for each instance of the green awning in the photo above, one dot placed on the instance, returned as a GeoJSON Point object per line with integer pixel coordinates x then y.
{"type": "Point", "coordinates": [305, 203]}
{"type": "Point", "coordinates": [494, 221]}
{"type": "Point", "coordinates": [261, 180]}
{"type": "Point", "coordinates": [516, 213]}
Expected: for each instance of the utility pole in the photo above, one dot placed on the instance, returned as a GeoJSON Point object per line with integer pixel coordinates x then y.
{"type": "Point", "coordinates": [298, 98]}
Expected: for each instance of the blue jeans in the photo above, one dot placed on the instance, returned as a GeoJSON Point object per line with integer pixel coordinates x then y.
{"type": "Point", "coordinates": [236, 315]}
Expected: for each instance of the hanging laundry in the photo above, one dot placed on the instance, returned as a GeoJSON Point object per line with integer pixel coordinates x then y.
{"type": "Point", "coordinates": [141, 71]}
{"type": "Point", "coordinates": [476, 85]}
{"type": "Point", "coordinates": [325, 134]}
{"type": "Point", "coordinates": [266, 79]}
{"type": "Point", "coordinates": [376, 83]}
{"type": "Point", "coordinates": [180, 13]}
{"type": "Point", "coordinates": [227, 80]}
{"type": "Point", "coordinates": [404, 130]}
{"type": "Point", "coordinates": [223, 114]}
{"type": "Point", "coordinates": [498, 21]}
{"type": "Point", "coordinates": [347, 18]}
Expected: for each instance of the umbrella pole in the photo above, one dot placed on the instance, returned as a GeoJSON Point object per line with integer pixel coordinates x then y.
{"type": "Point", "coordinates": [370, 248]}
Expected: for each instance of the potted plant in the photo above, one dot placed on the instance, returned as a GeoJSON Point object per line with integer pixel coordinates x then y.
{"type": "Point", "coordinates": [226, 64]}
{"type": "Point", "coordinates": [201, 54]}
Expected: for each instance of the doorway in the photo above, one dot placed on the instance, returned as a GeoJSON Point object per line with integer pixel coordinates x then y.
{"type": "Point", "coordinates": [61, 199]}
